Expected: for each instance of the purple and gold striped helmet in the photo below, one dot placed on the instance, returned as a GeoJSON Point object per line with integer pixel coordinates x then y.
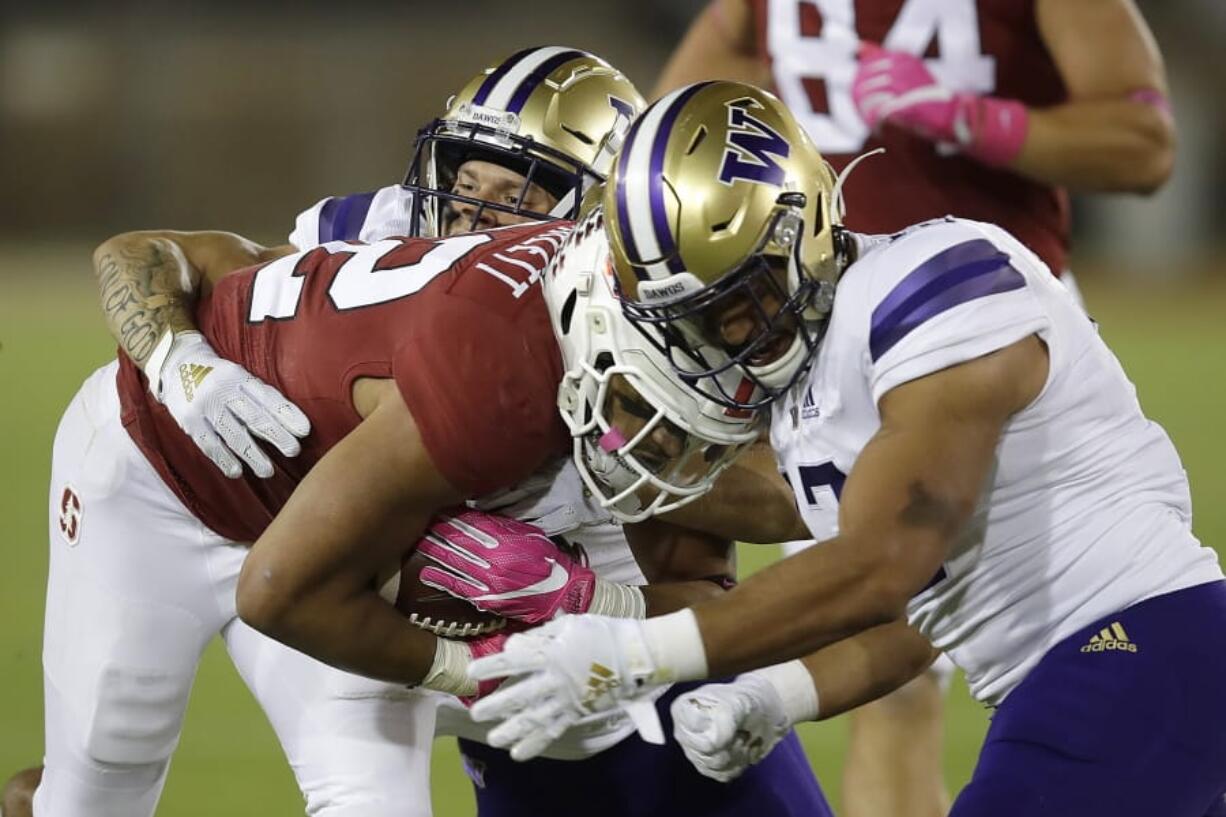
{"type": "Point", "coordinates": [556, 116]}
{"type": "Point", "coordinates": [725, 239]}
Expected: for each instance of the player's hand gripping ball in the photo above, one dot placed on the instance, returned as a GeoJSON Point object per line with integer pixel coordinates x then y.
{"type": "Point", "coordinates": [432, 609]}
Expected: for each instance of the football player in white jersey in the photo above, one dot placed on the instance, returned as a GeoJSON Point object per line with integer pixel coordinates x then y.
{"type": "Point", "coordinates": [968, 450]}
{"type": "Point", "coordinates": [1061, 108]}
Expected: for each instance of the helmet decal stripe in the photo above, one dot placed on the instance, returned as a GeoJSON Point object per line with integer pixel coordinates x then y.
{"type": "Point", "coordinates": [623, 214]}
{"type": "Point", "coordinates": [642, 216]}
{"type": "Point", "coordinates": [497, 74]}
{"type": "Point", "coordinates": [659, 212]}
{"type": "Point", "coordinates": [538, 76]}
{"type": "Point", "coordinates": [501, 92]}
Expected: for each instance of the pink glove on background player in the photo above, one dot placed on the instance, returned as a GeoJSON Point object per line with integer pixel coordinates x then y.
{"type": "Point", "coordinates": [505, 567]}
{"type": "Point", "coordinates": [895, 87]}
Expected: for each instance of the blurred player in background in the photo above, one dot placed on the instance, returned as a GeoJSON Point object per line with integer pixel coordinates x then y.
{"type": "Point", "coordinates": [986, 110]}
{"type": "Point", "coordinates": [968, 450]}
{"type": "Point", "coordinates": [341, 764]}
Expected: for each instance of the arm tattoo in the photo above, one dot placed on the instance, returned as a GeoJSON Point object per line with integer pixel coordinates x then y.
{"type": "Point", "coordinates": [142, 296]}
{"type": "Point", "coordinates": [923, 510]}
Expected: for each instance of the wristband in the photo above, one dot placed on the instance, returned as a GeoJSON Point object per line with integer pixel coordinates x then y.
{"type": "Point", "coordinates": [990, 129]}
{"type": "Point", "coordinates": [449, 671]}
{"type": "Point", "coordinates": [153, 366]}
{"type": "Point", "coordinates": [1153, 98]}
{"type": "Point", "coordinates": [676, 647]}
{"type": "Point", "coordinates": [167, 344]}
{"type": "Point", "coordinates": [795, 687]}
{"type": "Point", "coordinates": [617, 600]}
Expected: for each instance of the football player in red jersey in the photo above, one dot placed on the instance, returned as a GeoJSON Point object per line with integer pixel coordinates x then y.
{"type": "Point", "coordinates": [338, 329]}
{"type": "Point", "coordinates": [987, 110]}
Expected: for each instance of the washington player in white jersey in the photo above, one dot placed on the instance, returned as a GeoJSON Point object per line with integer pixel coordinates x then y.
{"type": "Point", "coordinates": [1063, 95]}
{"type": "Point", "coordinates": [913, 380]}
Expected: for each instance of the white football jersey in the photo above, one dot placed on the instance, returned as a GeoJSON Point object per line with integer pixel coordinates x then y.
{"type": "Point", "coordinates": [374, 216]}
{"type": "Point", "coordinates": [1087, 509]}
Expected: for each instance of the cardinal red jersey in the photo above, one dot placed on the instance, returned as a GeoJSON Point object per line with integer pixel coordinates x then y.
{"type": "Point", "coordinates": [459, 323]}
{"type": "Point", "coordinates": [988, 47]}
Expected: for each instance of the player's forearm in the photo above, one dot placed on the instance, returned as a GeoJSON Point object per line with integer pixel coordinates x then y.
{"type": "Point", "coordinates": [796, 607]}
{"type": "Point", "coordinates": [1113, 145]}
{"type": "Point", "coordinates": [309, 578]}
{"type": "Point", "coordinates": [682, 566]}
{"type": "Point", "coordinates": [750, 502]}
{"type": "Point", "coordinates": [362, 634]}
{"type": "Point", "coordinates": [668, 597]}
{"type": "Point", "coordinates": [718, 45]}
{"type": "Point", "coordinates": [867, 666]}
{"type": "Point", "coordinates": [147, 288]}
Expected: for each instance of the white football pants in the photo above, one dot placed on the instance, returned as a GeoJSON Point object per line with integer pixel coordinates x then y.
{"type": "Point", "coordinates": [137, 587]}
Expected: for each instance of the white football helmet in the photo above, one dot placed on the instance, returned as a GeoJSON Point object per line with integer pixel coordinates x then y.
{"type": "Point", "coordinates": [644, 443]}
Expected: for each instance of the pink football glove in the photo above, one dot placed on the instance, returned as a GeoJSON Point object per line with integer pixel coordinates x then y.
{"type": "Point", "coordinates": [896, 87]}
{"type": "Point", "coordinates": [505, 567]}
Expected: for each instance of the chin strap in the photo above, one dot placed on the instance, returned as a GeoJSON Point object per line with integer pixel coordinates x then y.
{"type": "Point", "coordinates": [566, 205]}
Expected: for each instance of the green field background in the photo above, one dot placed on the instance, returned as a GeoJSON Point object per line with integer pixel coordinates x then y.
{"type": "Point", "coordinates": [1172, 340]}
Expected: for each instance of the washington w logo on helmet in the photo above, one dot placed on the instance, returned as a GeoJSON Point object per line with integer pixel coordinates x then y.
{"type": "Point", "coordinates": [749, 146]}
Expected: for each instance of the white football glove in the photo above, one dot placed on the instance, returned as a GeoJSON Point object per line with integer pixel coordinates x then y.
{"type": "Point", "coordinates": [565, 670]}
{"type": "Point", "coordinates": [220, 404]}
{"type": "Point", "coordinates": [726, 728]}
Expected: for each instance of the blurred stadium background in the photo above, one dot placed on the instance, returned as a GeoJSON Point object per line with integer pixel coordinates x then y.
{"type": "Point", "coordinates": [231, 115]}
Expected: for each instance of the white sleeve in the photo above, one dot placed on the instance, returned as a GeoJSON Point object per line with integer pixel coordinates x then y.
{"type": "Point", "coordinates": [305, 234]}
{"type": "Point", "coordinates": [944, 295]}
{"type": "Point", "coordinates": [373, 216]}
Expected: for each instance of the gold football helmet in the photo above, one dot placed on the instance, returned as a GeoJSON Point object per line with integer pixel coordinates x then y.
{"type": "Point", "coordinates": [555, 116]}
{"type": "Point", "coordinates": [723, 224]}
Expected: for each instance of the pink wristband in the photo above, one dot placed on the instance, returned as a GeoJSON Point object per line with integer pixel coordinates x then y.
{"type": "Point", "coordinates": [1153, 98]}
{"type": "Point", "coordinates": [995, 129]}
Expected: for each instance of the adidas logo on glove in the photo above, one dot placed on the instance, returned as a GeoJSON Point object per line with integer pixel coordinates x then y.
{"type": "Point", "coordinates": [192, 375]}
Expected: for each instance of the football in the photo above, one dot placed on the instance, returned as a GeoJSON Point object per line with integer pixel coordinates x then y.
{"type": "Point", "coordinates": [432, 609]}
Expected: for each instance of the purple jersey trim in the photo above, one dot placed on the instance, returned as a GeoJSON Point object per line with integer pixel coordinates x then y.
{"type": "Point", "coordinates": [341, 218]}
{"type": "Point", "coordinates": [962, 273]}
